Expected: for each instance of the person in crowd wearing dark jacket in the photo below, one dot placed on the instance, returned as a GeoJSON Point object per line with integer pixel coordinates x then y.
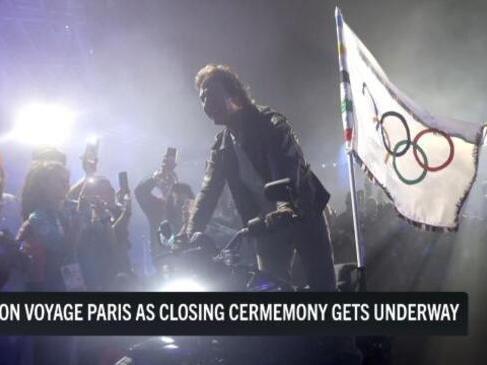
{"type": "Point", "coordinates": [257, 146]}
{"type": "Point", "coordinates": [103, 249]}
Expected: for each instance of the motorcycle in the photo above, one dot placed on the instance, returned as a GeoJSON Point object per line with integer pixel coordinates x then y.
{"type": "Point", "coordinates": [198, 266]}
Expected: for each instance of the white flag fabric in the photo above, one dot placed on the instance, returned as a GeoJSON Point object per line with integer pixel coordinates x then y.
{"type": "Point", "coordinates": [424, 163]}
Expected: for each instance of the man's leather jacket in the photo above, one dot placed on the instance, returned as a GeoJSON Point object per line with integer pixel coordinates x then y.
{"type": "Point", "coordinates": [273, 149]}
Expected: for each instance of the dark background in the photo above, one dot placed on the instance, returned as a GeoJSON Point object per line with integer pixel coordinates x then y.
{"type": "Point", "coordinates": [127, 68]}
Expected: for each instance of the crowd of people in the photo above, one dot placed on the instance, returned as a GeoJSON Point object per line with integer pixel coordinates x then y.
{"type": "Point", "coordinates": [57, 237]}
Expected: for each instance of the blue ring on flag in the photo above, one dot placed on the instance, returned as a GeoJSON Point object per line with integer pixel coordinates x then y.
{"type": "Point", "coordinates": [407, 142]}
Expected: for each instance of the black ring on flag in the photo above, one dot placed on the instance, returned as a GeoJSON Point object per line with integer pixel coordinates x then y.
{"type": "Point", "coordinates": [407, 141]}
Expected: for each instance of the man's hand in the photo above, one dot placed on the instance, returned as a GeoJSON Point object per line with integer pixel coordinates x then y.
{"type": "Point", "coordinates": [280, 218]}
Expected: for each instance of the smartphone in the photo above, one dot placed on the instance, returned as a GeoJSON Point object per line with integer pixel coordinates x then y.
{"type": "Point", "coordinates": [123, 182]}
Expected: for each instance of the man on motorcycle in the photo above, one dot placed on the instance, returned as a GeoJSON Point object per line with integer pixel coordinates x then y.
{"type": "Point", "coordinates": [257, 146]}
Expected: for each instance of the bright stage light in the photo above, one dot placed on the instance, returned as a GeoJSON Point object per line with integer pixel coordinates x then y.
{"type": "Point", "coordinates": [43, 124]}
{"type": "Point", "coordinates": [93, 139]}
{"type": "Point", "coordinates": [183, 285]}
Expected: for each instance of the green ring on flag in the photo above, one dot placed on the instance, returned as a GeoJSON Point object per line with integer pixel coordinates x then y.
{"type": "Point", "coordinates": [407, 141]}
{"type": "Point", "coordinates": [421, 151]}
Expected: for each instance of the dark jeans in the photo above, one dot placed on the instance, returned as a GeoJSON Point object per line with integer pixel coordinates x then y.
{"type": "Point", "coordinates": [310, 238]}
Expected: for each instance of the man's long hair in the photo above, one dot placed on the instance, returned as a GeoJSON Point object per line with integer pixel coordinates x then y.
{"type": "Point", "coordinates": [37, 184]}
{"type": "Point", "coordinates": [228, 78]}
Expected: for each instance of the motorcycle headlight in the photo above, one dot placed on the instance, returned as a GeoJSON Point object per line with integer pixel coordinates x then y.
{"type": "Point", "coordinates": [183, 285]}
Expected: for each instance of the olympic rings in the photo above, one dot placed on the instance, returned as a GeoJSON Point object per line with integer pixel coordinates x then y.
{"type": "Point", "coordinates": [407, 141]}
{"type": "Point", "coordinates": [426, 166]}
{"type": "Point", "coordinates": [421, 151]}
{"type": "Point", "coordinates": [402, 147]}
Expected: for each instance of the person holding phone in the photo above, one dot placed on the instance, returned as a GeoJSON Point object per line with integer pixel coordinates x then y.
{"type": "Point", "coordinates": [104, 237]}
{"type": "Point", "coordinates": [162, 197]}
{"type": "Point", "coordinates": [104, 216]}
{"type": "Point", "coordinates": [89, 163]}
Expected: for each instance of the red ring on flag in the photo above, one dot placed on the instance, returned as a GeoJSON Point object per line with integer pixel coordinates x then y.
{"type": "Point", "coordinates": [444, 164]}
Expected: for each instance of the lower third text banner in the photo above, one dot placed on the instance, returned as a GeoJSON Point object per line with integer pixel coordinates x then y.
{"type": "Point", "coordinates": [242, 314]}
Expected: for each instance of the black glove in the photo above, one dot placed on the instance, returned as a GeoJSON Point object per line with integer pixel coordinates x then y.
{"type": "Point", "coordinates": [280, 218]}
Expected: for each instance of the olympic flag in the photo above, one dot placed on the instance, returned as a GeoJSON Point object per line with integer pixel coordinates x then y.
{"type": "Point", "coordinates": [425, 164]}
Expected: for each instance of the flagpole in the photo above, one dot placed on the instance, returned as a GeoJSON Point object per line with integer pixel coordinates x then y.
{"type": "Point", "coordinates": [359, 249]}
{"type": "Point", "coordinates": [347, 120]}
